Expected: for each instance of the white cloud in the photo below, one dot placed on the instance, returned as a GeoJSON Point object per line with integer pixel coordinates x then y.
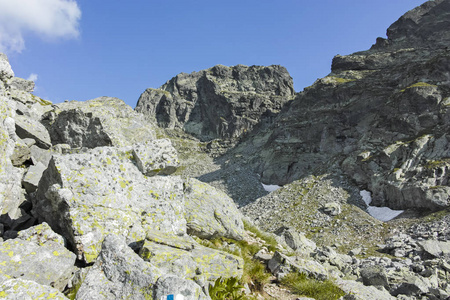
{"type": "Point", "coordinates": [33, 77]}
{"type": "Point", "coordinates": [47, 18]}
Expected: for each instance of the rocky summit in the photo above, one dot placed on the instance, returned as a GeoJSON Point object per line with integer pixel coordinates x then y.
{"type": "Point", "coordinates": [221, 102]}
{"type": "Point", "coordinates": [227, 184]}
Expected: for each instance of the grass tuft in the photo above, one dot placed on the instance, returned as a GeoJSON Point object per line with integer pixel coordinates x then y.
{"type": "Point", "coordinates": [269, 239]}
{"type": "Point", "coordinates": [301, 284]}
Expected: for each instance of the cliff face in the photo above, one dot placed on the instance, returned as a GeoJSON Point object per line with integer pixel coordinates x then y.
{"type": "Point", "coordinates": [220, 102]}
{"type": "Point", "coordinates": [381, 116]}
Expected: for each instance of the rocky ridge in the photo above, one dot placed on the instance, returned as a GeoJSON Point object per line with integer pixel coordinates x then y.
{"type": "Point", "coordinates": [380, 116]}
{"type": "Point", "coordinates": [98, 203]}
{"type": "Point", "coordinates": [220, 102]}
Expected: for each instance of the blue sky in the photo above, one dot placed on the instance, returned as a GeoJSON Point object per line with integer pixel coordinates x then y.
{"type": "Point", "coordinates": [80, 50]}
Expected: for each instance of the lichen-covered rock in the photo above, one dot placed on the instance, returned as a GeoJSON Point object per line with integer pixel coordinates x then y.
{"type": "Point", "coordinates": [296, 240]}
{"type": "Point", "coordinates": [21, 84]}
{"type": "Point", "coordinates": [87, 196]}
{"type": "Point", "coordinates": [435, 248]}
{"type": "Point", "coordinates": [358, 291]}
{"type": "Point", "coordinates": [412, 285]}
{"type": "Point", "coordinates": [5, 68]}
{"type": "Point", "coordinates": [157, 157]}
{"type": "Point", "coordinates": [29, 128]}
{"type": "Point", "coordinates": [19, 289]}
{"type": "Point", "coordinates": [220, 102]}
{"type": "Point", "coordinates": [40, 234]}
{"type": "Point", "coordinates": [40, 155]}
{"type": "Point", "coordinates": [173, 285]}
{"type": "Point", "coordinates": [118, 273]}
{"type": "Point", "coordinates": [103, 121]}
{"type": "Point", "coordinates": [21, 153]}
{"type": "Point", "coordinates": [199, 262]}
{"type": "Point", "coordinates": [281, 264]}
{"type": "Point", "coordinates": [49, 264]}
{"type": "Point", "coordinates": [210, 213]}
{"type": "Point", "coordinates": [33, 176]}
{"type": "Point", "coordinates": [374, 275]}
{"type": "Point", "coordinates": [11, 195]}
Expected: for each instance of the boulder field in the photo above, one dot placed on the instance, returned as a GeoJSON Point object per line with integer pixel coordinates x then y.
{"type": "Point", "coordinates": [102, 201]}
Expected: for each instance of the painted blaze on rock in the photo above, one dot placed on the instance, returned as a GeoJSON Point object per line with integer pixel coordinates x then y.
{"type": "Point", "coordinates": [86, 196]}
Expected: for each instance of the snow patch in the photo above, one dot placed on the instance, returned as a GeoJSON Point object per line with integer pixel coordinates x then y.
{"type": "Point", "coordinates": [270, 187]}
{"type": "Point", "coordinates": [381, 213]}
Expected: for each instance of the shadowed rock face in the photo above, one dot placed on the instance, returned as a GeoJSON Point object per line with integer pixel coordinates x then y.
{"type": "Point", "coordinates": [220, 102]}
{"type": "Point", "coordinates": [381, 116]}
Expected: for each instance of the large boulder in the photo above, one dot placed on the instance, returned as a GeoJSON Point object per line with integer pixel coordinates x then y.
{"type": "Point", "coordinates": [103, 121]}
{"type": "Point", "coordinates": [20, 289]}
{"type": "Point", "coordinates": [281, 265]}
{"type": "Point", "coordinates": [48, 264]}
{"type": "Point", "coordinates": [11, 193]}
{"type": "Point", "coordinates": [220, 102]}
{"type": "Point", "coordinates": [210, 213]}
{"type": "Point", "coordinates": [5, 68]}
{"type": "Point", "coordinates": [173, 285]}
{"type": "Point", "coordinates": [358, 291]}
{"type": "Point", "coordinates": [118, 273]}
{"type": "Point", "coordinates": [86, 196]}
{"type": "Point", "coordinates": [157, 157]}
{"type": "Point", "coordinates": [184, 257]}
{"type": "Point", "coordinates": [30, 128]}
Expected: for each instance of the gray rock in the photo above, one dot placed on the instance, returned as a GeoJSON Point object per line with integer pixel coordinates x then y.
{"type": "Point", "coordinates": [19, 289]}
{"type": "Point", "coordinates": [78, 129]}
{"type": "Point", "coordinates": [357, 291]}
{"type": "Point", "coordinates": [412, 286]}
{"type": "Point", "coordinates": [41, 234]}
{"type": "Point", "coordinates": [21, 84]}
{"type": "Point", "coordinates": [102, 192]}
{"type": "Point", "coordinates": [30, 128]}
{"type": "Point", "coordinates": [332, 209]}
{"type": "Point", "coordinates": [210, 213]}
{"type": "Point", "coordinates": [21, 153]}
{"type": "Point", "coordinates": [435, 248]}
{"type": "Point", "coordinates": [157, 157]}
{"type": "Point", "coordinates": [5, 68]}
{"type": "Point", "coordinates": [282, 264]}
{"type": "Point", "coordinates": [374, 275]}
{"type": "Point", "coordinates": [103, 121]}
{"type": "Point", "coordinates": [48, 264]}
{"type": "Point", "coordinates": [12, 193]}
{"type": "Point", "coordinates": [39, 155]}
{"type": "Point", "coordinates": [173, 285]}
{"type": "Point", "coordinates": [414, 27]}
{"type": "Point", "coordinates": [33, 176]}
{"type": "Point", "coordinates": [297, 241]}
{"type": "Point", "coordinates": [118, 273]}
{"type": "Point", "coordinates": [355, 252]}
{"type": "Point", "coordinates": [210, 104]}
{"type": "Point", "coordinates": [368, 121]}
{"type": "Point", "coordinates": [176, 257]}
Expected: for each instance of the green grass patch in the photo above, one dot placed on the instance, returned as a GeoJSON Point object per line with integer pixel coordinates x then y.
{"type": "Point", "coordinates": [267, 238]}
{"type": "Point", "coordinates": [301, 285]}
{"type": "Point", "coordinates": [255, 273]}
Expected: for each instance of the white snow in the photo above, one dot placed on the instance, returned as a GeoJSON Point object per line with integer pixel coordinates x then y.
{"type": "Point", "coordinates": [381, 213]}
{"type": "Point", "coordinates": [270, 187]}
